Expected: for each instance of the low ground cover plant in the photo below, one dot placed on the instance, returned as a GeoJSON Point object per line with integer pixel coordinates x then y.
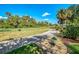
{"type": "Point", "coordinates": [27, 49]}
{"type": "Point", "coordinates": [74, 48]}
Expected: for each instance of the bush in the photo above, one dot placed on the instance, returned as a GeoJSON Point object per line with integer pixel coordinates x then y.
{"type": "Point", "coordinates": [27, 49]}
{"type": "Point", "coordinates": [71, 32]}
{"type": "Point", "coordinates": [19, 29]}
{"type": "Point", "coordinates": [53, 41]}
{"type": "Point", "coordinates": [54, 38]}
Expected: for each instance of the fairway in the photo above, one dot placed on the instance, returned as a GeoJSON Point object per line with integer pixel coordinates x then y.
{"type": "Point", "coordinates": [20, 32]}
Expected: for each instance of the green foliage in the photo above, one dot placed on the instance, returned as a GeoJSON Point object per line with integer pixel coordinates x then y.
{"type": "Point", "coordinates": [56, 26]}
{"type": "Point", "coordinates": [74, 49]}
{"type": "Point", "coordinates": [63, 15]}
{"type": "Point", "coordinates": [71, 32]}
{"type": "Point", "coordinates": [27, 49]}
{"type": "Point", "coordinates": [53, 41]}
{"type": "Point", "coordinates": [4, 30]}
{"type": "Point", "coordinates": [68, 15]}
{"type": "Point", "coordinates": [15, 21]}
{"type": "Point", "coordinates": [54, 38]}
{"type": "Point", "coordinates": [69, 21]}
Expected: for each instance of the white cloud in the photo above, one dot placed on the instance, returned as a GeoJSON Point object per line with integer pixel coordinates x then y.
{"type": "Point", "coordinates": [20, 16]}
{"type": "Point", "coordinates": [30, 16]}
{"type": "Point", "coordinates": [45, 14]}
{"type": "Point", "coordinates": [46, 19]}
{"type": "Point", "coordinates": [1, 17]}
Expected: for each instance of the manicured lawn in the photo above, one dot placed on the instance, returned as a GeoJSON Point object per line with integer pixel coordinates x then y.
{"type": "Point", "coordinates": [6, 34]}
{"type": "Point", "coordinates": [74, 48]}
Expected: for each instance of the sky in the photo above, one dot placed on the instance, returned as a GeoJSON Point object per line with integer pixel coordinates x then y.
{"type": "Point", "coordinates": [41, 12]}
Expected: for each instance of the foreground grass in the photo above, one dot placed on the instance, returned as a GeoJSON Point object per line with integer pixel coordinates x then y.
{"type": "Point", "coordinates": [74, 48]}
{"type": "Point", "coordinates": [20, 32]}
{"type": "Point", "coordinates": [27, 49]}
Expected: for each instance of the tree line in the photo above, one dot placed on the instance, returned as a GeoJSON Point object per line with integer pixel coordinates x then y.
{"type": "Point", "coordinates": [15, 21]}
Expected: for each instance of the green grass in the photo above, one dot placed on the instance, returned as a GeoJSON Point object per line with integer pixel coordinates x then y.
{"type": "Point", "coordinates": [74, 48]}
{"type": "Point", "coordinates": [20, 32]}
{"type": "Point", "coordinates": [27, 49]}
{"type": "Point", "coordinates": [4, 30]}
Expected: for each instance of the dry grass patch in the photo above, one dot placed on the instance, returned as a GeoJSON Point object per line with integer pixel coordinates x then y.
{"type": "Point", "coordinates": [14, 33]}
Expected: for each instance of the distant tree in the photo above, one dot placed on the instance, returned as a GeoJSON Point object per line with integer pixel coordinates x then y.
{"type": "Point", "coordinates": [8, 14]}
{"type": "Point", "coordinates": [1, 23]}
{"type": "Point", "coordinates": [32, 22]}
{"type": "Point", "coordinates": [15, 21]}
{"type": "Point", "coordinates": [26, 20]}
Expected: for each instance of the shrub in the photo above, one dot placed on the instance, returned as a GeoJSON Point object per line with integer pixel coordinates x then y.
{"type": "Point", "coordinates": [54, 38]}
{"type": "Point", "coordinates": [53, 41]}
{"type": "Point", "coordinates": [19, 29]}
{"type": "Point", "coordinates": [71, 32]}
{"type": "Point", "coordinates": [27, 49]}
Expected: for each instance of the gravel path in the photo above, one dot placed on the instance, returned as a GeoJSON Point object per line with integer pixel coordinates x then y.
{"type": "Point", "coordinates": [15, 43]}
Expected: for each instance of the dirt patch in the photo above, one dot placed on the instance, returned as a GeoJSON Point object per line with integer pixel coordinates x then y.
{"type": "Point", "coordinates": [66, 40]}
{"type": "Point", "coordinates": [69, 40]}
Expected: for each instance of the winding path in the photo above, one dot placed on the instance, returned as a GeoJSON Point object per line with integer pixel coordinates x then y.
{"type": "Point", "coordinates": [10, 45]}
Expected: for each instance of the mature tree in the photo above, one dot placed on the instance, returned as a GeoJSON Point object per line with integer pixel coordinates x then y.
{"type": "Point", "coordinates": [16, 21]}
{"type": "Point", "coordinates": [32, 22]}
{"type": "Point", "coordinates": [26, 20]}
{"type": "Point", "coordinates": [64, 15]}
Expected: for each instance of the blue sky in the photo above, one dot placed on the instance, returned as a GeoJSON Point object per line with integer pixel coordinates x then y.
{"type": "Point", "coordinates": [41, 12]}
